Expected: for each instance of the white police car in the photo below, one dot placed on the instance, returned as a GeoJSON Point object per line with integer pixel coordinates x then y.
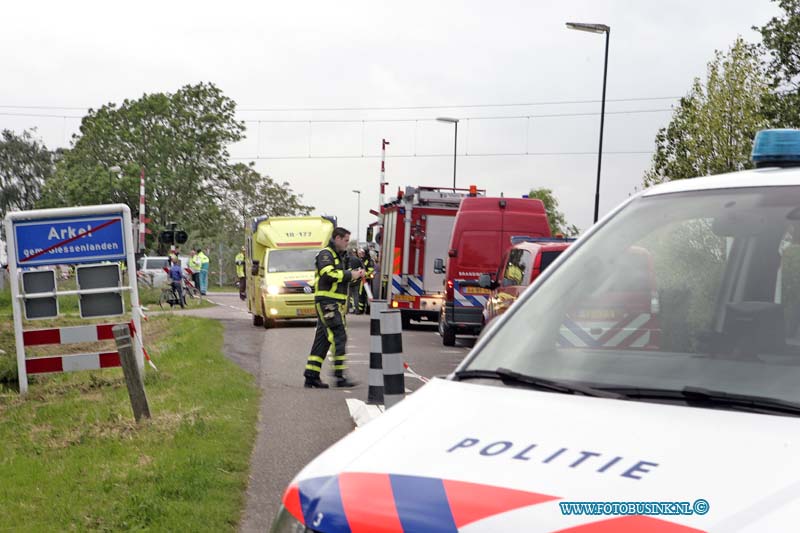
{"type": "Point", "coordinates": [688, 424]}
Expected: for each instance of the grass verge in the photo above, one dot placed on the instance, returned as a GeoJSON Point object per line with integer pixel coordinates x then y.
{"type": "Point", "coordinates": [73, 459]}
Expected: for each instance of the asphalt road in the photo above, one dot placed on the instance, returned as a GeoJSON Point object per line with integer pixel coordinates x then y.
{"type": "Point", "coordinates": [296, 424]}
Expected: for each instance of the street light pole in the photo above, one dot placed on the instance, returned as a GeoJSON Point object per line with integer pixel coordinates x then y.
{"type": "Point", "coordinates": [453, 121]}
{"type": "Point", "coordinates": [111, 171]}
{"type": "Point", "coordinates": [358, 218]}
{"type": "Point", "coordinates": [597, 28]}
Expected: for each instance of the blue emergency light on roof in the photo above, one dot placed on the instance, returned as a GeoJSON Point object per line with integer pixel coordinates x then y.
{"type": "Point", "coordinates": [776, 148]}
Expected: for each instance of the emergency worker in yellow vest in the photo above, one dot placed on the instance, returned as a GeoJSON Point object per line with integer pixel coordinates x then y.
{"type": "Point", "coordinates": [239, 260]}
{"type": "Point", "coordinates": [203, 271]}
{"type": "Point", "coordinates": [330, 301]}
{"type": "Point", "coordinates": [195, 266]}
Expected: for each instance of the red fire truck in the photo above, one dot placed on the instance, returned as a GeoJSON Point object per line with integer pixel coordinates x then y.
{"type": "Point", "coordinates": [415, 231]}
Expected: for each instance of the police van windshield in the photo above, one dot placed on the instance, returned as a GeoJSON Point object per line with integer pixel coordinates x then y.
{"type": "Point", "coordinates": [697, 289]}
{"type": "Point", "coordinates": [291, 260]}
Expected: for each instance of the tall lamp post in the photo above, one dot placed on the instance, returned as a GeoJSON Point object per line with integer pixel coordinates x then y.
{"type": "Point", "coordinates": [358, 218]}
{"type": "Point", "coordinates": [453, 121]}
{"type": "Point", "coordinates": [597, 28]}
{"type": "Point", "coordinates": [111, 171]}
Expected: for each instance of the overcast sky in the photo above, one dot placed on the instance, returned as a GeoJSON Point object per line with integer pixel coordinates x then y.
{"type": "Point", "coordinates": [386, 54]}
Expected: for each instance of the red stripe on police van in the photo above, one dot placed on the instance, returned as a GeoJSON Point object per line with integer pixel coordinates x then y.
{"type": "Point", "coordinates": [291, 500]}
{"type": "Point", "coordinates": [368, 503]}
{"type": "Point", "coordinates": [470, 502]}
{"type": "Point", "coordinates": [631, 524]}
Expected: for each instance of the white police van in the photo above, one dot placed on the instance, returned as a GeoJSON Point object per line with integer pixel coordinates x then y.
{"type": "Point", "coordinates": [696, 430]}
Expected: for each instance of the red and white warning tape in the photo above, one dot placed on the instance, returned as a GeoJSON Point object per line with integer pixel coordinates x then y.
{"type": "Point", "coordinates": [414, 374]}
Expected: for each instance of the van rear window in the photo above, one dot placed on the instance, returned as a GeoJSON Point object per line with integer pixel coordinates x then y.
{"type": "Point", "coordinates": [547, 258]}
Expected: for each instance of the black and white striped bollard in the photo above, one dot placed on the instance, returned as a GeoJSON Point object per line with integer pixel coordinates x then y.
{"type": "Point", "coordinates": [394, 388]}
{"type": "Point", "coordinates": [375, 377]}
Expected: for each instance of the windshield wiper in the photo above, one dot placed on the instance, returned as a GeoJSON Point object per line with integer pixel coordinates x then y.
{"type": "Point", "coordinates": [708, 397]}
{"type": "Point", "coordinates": [509, 377]}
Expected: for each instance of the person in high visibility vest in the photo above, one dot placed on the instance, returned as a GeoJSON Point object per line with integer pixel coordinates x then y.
{"type": "Point", "coordinates": [195, 266]}
{"type": "Point", "coordinates": [369, 273]}
{"type": "Point", "coordinates": [239, 260]}
{"type": "Point", "coordinates": [203, 271]}
{"type": "Point", "coordinates": [331, 281]}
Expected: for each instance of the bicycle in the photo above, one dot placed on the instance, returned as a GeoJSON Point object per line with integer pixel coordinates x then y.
{"type": "Point", "coordinates": [170, 297]}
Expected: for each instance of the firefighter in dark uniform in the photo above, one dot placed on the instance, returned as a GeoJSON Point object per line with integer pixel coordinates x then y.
{"type": "Point", "coordinates": [331, 282]}
{"type": "Point", "coordinates": [369, 272]}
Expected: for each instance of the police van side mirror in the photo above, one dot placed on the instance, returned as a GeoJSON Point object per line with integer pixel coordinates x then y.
{"type": "Point", "coordinates": [438, 266]}
{"type": "Point", "coordinates": [485, 281]}
{"type": "Point", "coordinates": [254, 268]}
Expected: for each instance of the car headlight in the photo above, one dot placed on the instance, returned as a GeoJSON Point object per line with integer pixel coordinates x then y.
{"type": "Point", "coordinates": [286, 523]}
{"type": "Point", "coordinates": [273, 290]}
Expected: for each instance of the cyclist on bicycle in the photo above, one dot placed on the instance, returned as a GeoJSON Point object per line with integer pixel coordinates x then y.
{"type": "Point", "coordinates": [176, 279]}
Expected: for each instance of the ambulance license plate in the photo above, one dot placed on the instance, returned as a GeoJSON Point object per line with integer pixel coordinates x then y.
{"type": "Point", "coordinates": [306, 311]}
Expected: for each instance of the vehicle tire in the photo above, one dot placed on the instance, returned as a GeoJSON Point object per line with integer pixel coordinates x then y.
{"type": "Point", "coordinates": [449, 337]}
{"type": "Point", "coordinates": [258, 320]}
{"type": "Point", "coordinates": [448, 334]}
{"type": "Point", "coordinates": [405, 320]}
{"type": "Point", "coordinates": [164, 299]}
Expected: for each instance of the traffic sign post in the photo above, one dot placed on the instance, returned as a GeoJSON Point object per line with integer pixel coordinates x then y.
{"type": "Point", "coordinates": [80, 236]}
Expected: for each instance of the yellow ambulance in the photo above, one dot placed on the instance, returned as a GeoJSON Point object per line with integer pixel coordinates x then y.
{"type": "Point", "coordinates": [280, 253]}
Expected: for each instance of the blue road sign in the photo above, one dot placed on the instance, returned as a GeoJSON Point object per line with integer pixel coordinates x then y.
{"type": "Point", "coordinates": [69, 240]}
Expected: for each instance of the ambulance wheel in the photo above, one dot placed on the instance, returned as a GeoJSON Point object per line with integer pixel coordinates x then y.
{"type": "Point", "coordinates": [258, 320]}
{"type": "Point", "coordinates": [269, 323]}
{"type": "Point", "coordinates": [405, 321]}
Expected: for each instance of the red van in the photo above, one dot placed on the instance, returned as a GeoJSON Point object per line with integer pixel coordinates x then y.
{"type": "Point", "coordinates": [481, 236]}
{"type": "Point", "coordinates": [520, 267]}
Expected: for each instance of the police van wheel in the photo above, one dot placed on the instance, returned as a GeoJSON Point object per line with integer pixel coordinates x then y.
{"type": "Point", "coordinates": [258, 320]}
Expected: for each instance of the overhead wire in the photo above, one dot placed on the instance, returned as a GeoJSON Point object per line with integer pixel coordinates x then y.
{"type": "Point", "coordinates": [386, 108]}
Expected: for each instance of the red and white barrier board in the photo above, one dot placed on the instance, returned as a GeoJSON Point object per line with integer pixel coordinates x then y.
{"type": "Point", "coordinates": [73, 362]}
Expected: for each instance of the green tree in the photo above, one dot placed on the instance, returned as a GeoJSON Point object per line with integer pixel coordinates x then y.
{"type": "Point", "coordinates": [712, 128]}
{"type": "Point", "coordinates": [25, 164]}
{"type": "Point", "coordinates": [251, 194]}
{"type": "Point", "coordinates": [181, 141]}
{"type": "Point", "coordinates": [556, 219]}
{"type": "Point", "coordinates": [781, 39]}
